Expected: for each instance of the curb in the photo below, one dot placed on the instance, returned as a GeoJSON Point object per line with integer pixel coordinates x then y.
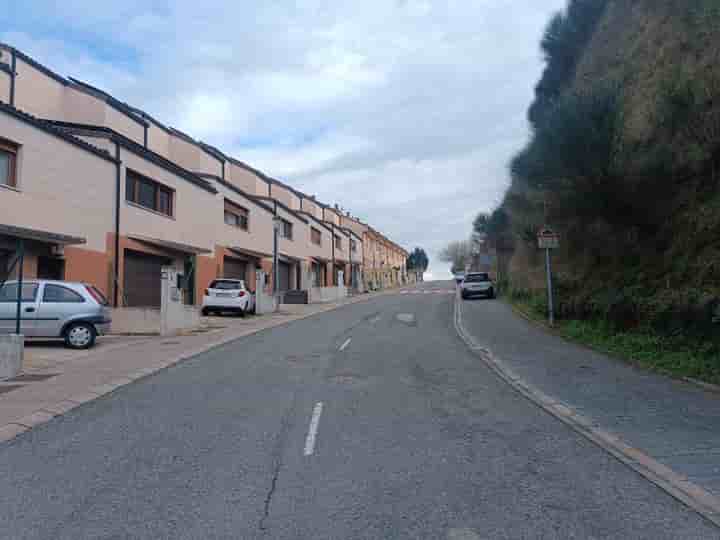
{"type": "Point", "coordinates": [11, 430]}
{"type": "Point", "coordinates": [710, 387]}
{"type": "Point", "coordinates": [695, 497]}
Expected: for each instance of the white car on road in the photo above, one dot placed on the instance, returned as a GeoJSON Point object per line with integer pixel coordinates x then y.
{"type": "Point", "coordinates": [477, 284]}
{"type": "Point", "coordinates": [228, 295]}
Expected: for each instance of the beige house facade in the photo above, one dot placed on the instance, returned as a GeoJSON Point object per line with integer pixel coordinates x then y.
{"type": "Point", "coordinates": [384, 262]}
{"type": "Point", "coordinates": [107, 194]}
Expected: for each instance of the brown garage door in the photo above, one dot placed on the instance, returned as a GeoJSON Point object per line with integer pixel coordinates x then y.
{"type": "Point", "coordinates": [284, 281]}
{"type": "Point", "coordinates": [234, 268]}
{"type": "Point", "coordinates": [4, 263]}
{"type": "Point", "coordinates": [142, 279]}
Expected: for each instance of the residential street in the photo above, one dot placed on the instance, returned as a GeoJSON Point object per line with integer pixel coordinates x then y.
{"type": "Point", "coordinates": [373, 421]}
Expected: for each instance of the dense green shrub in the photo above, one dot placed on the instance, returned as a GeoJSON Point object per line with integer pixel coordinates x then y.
{"type": "Point", "coordinates": [638, 209]}
{"type": "Point", "coordinates": [563, 43]}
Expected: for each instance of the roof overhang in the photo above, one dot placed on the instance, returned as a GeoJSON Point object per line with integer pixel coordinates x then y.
{"type": "Point", "coordinates": [171, 246]}
{"type": "Point", "coordinates": [289, 259]}
{"type": "Point", "coordinates": [321, 260]}
{"type": "Point", "coordinates": [250, 253]}
{"type": "Point", "coordinates": [40, 236]}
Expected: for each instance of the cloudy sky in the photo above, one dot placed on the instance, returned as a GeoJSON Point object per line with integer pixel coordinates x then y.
{"type": "Point", "coordinates": [404, 112]}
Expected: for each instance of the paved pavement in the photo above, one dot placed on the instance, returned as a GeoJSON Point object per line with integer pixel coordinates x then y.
{"type": "Point", "coordinates": [372, 421]}
{"type": "Point", "coordinates": [675, 422]}
{"type": "Point", "coordinates": [56, 379]}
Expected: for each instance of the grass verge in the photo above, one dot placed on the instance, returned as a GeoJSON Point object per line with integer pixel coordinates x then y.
{"type": "Point", "coordinates": [672, 356]}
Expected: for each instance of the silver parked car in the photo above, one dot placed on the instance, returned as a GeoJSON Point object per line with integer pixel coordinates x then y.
{"type": "Point", "coordinates": [76, 312]}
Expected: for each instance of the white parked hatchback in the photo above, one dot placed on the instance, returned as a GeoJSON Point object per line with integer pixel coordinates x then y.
{"type": "Point", "coordinates": [228, 295]}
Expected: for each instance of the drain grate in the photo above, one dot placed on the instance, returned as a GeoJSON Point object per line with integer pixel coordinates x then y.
{"type": "Point", "coordinates": [33, 377]}
{"type": "Point", "coordinates": [9, 387]}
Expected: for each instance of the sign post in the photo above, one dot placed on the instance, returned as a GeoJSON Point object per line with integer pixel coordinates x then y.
{"type": "Point", "coordinates": [547, 240]}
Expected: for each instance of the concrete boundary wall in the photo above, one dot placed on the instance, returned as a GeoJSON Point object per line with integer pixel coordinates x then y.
{"type": "Point", "coordinates": [11, 355]}
{"type": "Point", "coordinates": [135, 321]}
{"type": "Point", "coordinates": [318, 295]}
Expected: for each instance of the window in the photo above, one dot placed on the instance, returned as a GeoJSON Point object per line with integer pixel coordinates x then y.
{"type": "Point", "coordinates": [97, 295]}
{"type": "Point", "coordinates": [148, 193]}
{"type": "Point", "coordinates": [315, 236]}
{"type": "Point", "coordinates": [8, 164]}
{"type": "Point", "coordinates": [286, 230]}
{"type": "Point", "coordinates": [477, 278]}
{"type": "Point", "coordinates": [338, 242]}
{"type": "Point", "coordinates": [353, 245]}
{"type": "Point", "coordinates": [56, 294]}
{"type": "Point", "coordinates": [8, 292]}
{"type": "Point", "coordinates": [235, 215]}
{"type": "Point", "coordinates": [227, 285]}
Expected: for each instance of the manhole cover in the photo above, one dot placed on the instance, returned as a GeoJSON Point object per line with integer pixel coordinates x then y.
{"type": "Point", "coordinates": [33, 377]}
{"type": "Point", "coordinates": [9, 387]}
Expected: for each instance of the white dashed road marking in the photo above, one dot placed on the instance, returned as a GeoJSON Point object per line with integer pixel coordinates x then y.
{"type": "Point", "coordinates": [462, 534]}
{"type": "Point", "coordinates": [312, 431]}
{"type": "Point", "coordinates": [344, 345]}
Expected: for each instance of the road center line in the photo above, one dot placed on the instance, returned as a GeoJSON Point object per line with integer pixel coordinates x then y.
{"type": "Point", "coordinates": [344, 345]}
{"type": "Point", "coordinates": [312, 431]}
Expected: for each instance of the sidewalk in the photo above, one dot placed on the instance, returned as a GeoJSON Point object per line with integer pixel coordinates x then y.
{"type": "Point", "coordinates": [55, 380]}
{"type": "Point", "coordinates": [674, 422]}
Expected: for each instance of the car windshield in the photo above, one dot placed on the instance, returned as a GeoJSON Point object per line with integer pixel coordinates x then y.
{"type": "Point", "coordinates": [226, 285]}
{"type": "Point", "coordinates": [476, 278]}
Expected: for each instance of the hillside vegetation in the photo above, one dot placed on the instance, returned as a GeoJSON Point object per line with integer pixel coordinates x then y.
{"type": "Point", "coordinates": [624, 161]}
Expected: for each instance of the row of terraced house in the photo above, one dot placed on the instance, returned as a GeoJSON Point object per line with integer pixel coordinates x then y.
{"type": "Point", "coordinates": [102, 192]}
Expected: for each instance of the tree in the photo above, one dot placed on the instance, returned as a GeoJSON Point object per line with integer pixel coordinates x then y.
{"type": "Point", "coordinates": [493, 227]}
{"type": "Point", "coordinates": [458, 254]}
{"type": "Point", "coordinates": [418, 260]}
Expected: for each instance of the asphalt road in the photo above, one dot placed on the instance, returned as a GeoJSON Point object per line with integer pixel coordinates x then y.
{"type": "Point", "coordinates": [414, 439]}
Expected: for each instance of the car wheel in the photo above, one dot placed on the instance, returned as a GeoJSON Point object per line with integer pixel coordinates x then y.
{"type": "Point", "coordinates": [463, 296]}
{"type": "Point", "coordinates": [491, 294]}
{"type": "Point", "coordinates": [80, 336]}
{"type": "Point", "coordinates": [241, 313]}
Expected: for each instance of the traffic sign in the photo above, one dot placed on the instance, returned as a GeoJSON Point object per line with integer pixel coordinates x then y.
{"type": "Point", "coordinates": [548, 239]}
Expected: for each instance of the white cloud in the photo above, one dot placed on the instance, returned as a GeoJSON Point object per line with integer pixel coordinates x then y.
{"type": "Point", "coordinates": [403, 111]}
